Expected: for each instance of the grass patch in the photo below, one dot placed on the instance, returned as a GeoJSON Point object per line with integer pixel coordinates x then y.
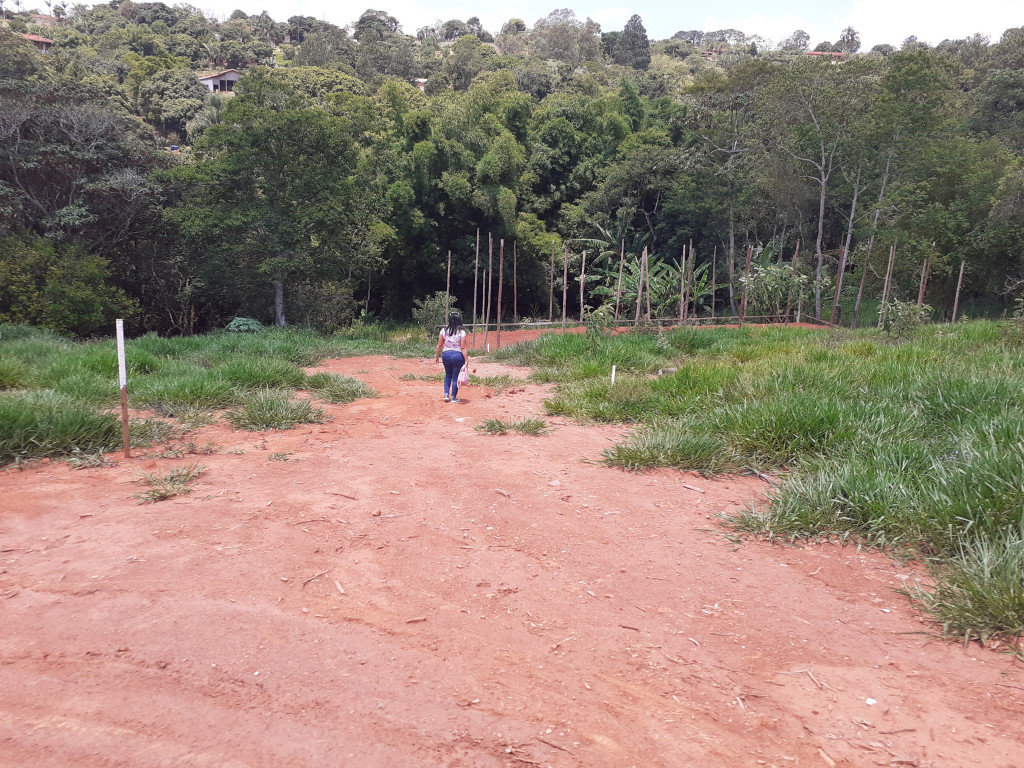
{"type": "Point", "coordinates": [48, 424]}
{"type": "Point", "coordinates": [531, 427]}
{"type": "Point", "coordinates": [335, 388]}
{"type": "Point", "coordinates": [499, 383]}
{"type": "Point", "coordinates": [176, 482]}
{"type": "Point", "coordinates": [916, 446]}
{"type": "Point", "coordinates": [978, 592]}
{"type": "Point", "coordinates": [272, 409]}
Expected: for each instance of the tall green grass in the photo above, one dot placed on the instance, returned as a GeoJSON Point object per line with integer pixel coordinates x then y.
{"type": "Point", "coordinates": [55, 393]}
{"type": "Point", "coordinates": [915, 445]}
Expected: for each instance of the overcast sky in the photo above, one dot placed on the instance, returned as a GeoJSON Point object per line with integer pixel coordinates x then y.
{"type": "Point", "coordinates": [878, 21]}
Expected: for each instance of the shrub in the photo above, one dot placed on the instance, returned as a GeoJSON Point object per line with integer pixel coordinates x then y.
{"type": "Point", "coordinates": [59, 287]}
{"type": "Point", "coordinates": [901, 319]}
{"type": "Point", "coordinates": [428, 312]}
{"type": "Point", "coordinates": [244, 325]}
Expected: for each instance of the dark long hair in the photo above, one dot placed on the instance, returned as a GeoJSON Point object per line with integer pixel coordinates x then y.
{"type": "Point", "coordinates": [454, 324]}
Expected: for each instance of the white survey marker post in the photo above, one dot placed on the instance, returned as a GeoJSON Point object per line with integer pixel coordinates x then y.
{"type": "Point", "coordinates": [122, 380]}
{"type": "Point", "coordinates": [613, 375]}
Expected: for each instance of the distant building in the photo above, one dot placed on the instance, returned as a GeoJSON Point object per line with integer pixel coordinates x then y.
{"type": "Point", "coordinates": [42, 44]}
{"type": "Point", "coordinates": [220, 82]}
{"type": "Point", "coordinates": [44, 21]}
{"type": "Point", "coordinates": [834, 55]}
{"type": "Point", "coordinates": [421, 83]}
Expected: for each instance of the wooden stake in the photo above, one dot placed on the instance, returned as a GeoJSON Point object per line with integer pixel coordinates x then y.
{"type": "Point", "coordinates": [476, 279]}
{"type": "Point", "coordinates": [689, 282]}
{"type": "Point", "coordinates": [490, 275]}
{"type": "Point", "coordinates": [551, 294]}
{"type": "Point", "coordinates": [925, 272]}
{"type": "Point", "coordinates": [959, 282]}
{"type": "Point", "coordinates": [792, 280]}
{"type": "Point", "coordinates": [714, 264]}
{"type": "Point", "coordinates": [920, 289]}
{"type": "Point", "coordinates": [122, 378]}
{"type": "Point", "coordinates": [583, 281]}
{"type": "Point", "coordinates": [682, 286]}
{"type": "Point", "coordinates": [501, 280]}
{"type": "Point", "coordinates": [647, 277]}
{"type": "Point", "coordinates": [839, 286]}
{"type": "Point", "coordinates": [860, 291]}
{"type": "Point", "coordinates": [448, 289]}
{"type": "Point", "coordinates": [515, 283]}
{"type": "Point", "coordinates": [640, 287]}
{"type": "Point", "coordinates": [887, 285]}
{"type": "Point", "coordinates": [618, 287]}
{"type": "Point", "coordinates": [565, 283]}
{"type": "Point", "coordinates": [746, 279]}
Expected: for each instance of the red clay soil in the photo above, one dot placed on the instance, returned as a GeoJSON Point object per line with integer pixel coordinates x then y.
{"type": "Point", "coordinates": [404, 590]}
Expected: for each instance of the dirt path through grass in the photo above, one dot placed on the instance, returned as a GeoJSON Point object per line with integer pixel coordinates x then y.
{"type": "Point", "coordinates": [395, 588]}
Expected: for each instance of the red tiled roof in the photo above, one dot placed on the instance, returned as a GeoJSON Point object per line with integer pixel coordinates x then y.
{"type": "Point", "coordinates": [208, 75]}
{"type": "Point", "coordinates": [38, 39]}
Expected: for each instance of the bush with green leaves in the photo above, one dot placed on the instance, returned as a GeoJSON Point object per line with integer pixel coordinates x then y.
{"type": "Point", "coordinates": [244, 325]}
{"type": "Point", "coordinates": [901, 319]}
{"type": "Point", "coordinates": [429, 312]}
{"type": "Point", "coordinates": [60, 287]}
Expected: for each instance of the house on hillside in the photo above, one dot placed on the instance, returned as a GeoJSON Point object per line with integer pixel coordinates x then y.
{"type": "Point", "coordinates": [219, 82]}
{"type": "Point", "coordinates": [42, 44]}
{"type": "Point", "coordinates": [834, 55]}
{"type": "Point", "coordinates": [42, 20]}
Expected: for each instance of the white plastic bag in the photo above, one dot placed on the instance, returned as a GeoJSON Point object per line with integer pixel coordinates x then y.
{"type": "Point", "coordinates": [464, 376]}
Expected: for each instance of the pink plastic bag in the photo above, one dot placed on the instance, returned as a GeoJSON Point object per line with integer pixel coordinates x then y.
{"type": "Point", "coordinates": [463, 376]}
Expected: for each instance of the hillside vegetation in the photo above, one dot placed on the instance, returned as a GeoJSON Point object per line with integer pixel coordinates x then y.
{"type": "Point", "coordinates": [327, 186]}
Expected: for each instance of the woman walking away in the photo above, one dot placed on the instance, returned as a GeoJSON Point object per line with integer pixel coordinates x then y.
{"type": "Point", "coordinates": [452, 340]}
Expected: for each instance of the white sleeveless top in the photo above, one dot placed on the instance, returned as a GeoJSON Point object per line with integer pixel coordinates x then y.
{"type": "Point", "coordinates": [453, 343]}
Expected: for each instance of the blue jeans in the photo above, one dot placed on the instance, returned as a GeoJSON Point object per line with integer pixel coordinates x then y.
{"type": "Point", "coordinates": [453, 362]}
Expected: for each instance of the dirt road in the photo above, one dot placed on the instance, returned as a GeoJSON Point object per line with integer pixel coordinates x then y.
{"type": "Point", "coordinates": [394, 588]}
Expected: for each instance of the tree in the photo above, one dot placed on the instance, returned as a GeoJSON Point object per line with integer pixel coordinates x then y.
{"type": "Point", "coordinates": [807, 116]}
{"type": "Point", "coordinates": [849, 41]}
{"type": "Point", "coordinates": [64, 149]}
{"type": "Point", "coordinates": [171, 98]}
{"type": "Point", "coordinates": [561, 36]}
{"type": "Point", "coordinates": [374, 26]}
{"type": "Point", "coordinates": [275, 192]}
{"type": "Point", "coordinates": [633, 49]}
{"type": "Point", "coordinates": [798, 41]}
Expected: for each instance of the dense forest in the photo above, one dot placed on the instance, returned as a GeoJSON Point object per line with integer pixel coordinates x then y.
{"type": "Point", "coordinates": [330, 183]}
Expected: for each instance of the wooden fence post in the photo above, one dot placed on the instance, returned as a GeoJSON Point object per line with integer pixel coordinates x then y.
{"type": "Point", "coordinates": [476, 279]}
{"type": "Point", "coordinates": [839, 286]}
{"type": "Point", "coordinates": [746, 279]}
{"type": "Point", "coordinates": [583, 280]}
{"type": "Point", "coordinates": [501, 278]}
{"type": "Point", "coordinates": [490, 275]}
{"type": "Point", "coordinates": [551, 294]}
{"type": "Point", "coordinates": [792, 279]}
{"type": "Point", "coordinates": [515, 283]}
{"type": "Point", "coordinates": [689, 282]}
{"type": "Point", "coordinates": [860, 291]}
{"type": "Point", "coordinates": [565, 282]}
{"type": "Point", "coordinates": [640, 286]}
{"type": "Point", "coordinates": [618, 287]}
{"type": "Point", "coordinates": [647, 274]}
{"type": "Point", "coordinates": [448, 289]}
{"type": "Point", "coordinates": [887, 285]}
{"type": "Point", "coordinates": [714, 264]}
{"type": "Point", "coordinates": [959, 282]}
{"type": "Point", "coordinates": [682, 285]}
{"type": "Point", "coordinates": [925, 272]}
